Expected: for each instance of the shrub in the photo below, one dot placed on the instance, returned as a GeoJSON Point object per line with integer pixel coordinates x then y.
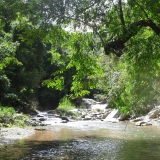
{"type": "Point", "coordinates": [8, 117]}
{"type": "Point", "coordinates": [65, 104]}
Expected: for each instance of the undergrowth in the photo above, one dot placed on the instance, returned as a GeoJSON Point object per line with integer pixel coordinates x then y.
{"type": "Point", "coordinates": [65, 104]}
{"type": "Point", "coordinates": [9, 117]}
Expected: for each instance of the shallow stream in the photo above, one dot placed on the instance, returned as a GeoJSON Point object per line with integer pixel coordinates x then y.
{"type": "Point", "coordinates": [96, 140]}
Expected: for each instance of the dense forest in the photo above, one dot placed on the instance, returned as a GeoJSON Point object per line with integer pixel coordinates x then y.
{"type": "Point", "coordinates": [108, 50]}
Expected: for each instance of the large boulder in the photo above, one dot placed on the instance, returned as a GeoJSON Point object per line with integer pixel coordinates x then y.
{"type": "Point", "coordinates": [154, 113]}
{"type": "Point", "coordinates": [137, 119]}
{"type": "Point", "coordinates": [113, 116]}
{"type": "Point", "coordinates": [92, 104]}
{"type": "Point", "coordinates": [88, 117]}
{"type": "Point", "coordinates": [87, 103]}
{"type": "Point", "coordinates": [143, 123]}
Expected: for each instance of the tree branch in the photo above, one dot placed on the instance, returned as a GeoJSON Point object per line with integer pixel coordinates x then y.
{"type": "Point", "coordinates": [89, 25]}
{"type": "Point", "coordinates": [121, 16]}
{"type": "Point", "coordinates": [116, 46]}
{"type": "Point", "coordinates": [145, 13]}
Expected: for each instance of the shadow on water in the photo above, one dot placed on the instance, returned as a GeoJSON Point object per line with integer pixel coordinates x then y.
{"type": "Point", "coordinates": [61, 143]}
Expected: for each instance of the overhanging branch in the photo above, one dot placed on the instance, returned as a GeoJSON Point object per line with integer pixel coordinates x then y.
{"type": "Point", "coordinates": [117, 45]}
{"type": "Point", "coordinates": [121, 16]}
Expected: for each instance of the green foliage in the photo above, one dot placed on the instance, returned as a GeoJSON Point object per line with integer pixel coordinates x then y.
{"type": "Point", "coordinates": [7, 111]}
{"type": "Point", "coordinates": [132, 81]}
{"type": "Point", "coordinates": [79, 56]}
{"type": "Point", "coordinates": [56, 83]}
{"type": "Point", "coordinates": [7, 51]}
{"type": "Point", "coordinates": [143, 71]}
{"type": "Point", "coordinates": [37, 48]}
{"type": "Point", "coordinates": [8, 117]}
{"type": "Point", "coordinates": [65, 104]}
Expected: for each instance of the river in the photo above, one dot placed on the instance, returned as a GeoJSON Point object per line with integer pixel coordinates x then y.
{"type": "Point", "coordinates": [88, 140]}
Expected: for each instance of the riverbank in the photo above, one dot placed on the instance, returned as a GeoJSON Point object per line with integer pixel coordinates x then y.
{"type": "Point", "coordinates": [10, 135]}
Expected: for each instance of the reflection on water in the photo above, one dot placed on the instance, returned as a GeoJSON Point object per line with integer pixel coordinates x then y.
{"type": "Point", "coordinates": [88, 141]}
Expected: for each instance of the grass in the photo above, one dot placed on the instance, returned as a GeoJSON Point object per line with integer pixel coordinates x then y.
{"type": "Point", "coordinates": [64, 107]}
{"type": "Point", "coordinates": [65, 104]}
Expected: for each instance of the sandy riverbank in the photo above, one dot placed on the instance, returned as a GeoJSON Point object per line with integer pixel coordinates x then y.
{"type": "Point", "coordinates": [10, 135]}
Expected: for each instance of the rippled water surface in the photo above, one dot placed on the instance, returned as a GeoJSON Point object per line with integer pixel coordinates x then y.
{"type": "Point", "coordinates": [88, 141]}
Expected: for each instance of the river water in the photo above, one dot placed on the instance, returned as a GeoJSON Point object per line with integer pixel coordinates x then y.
{"type": "Point", "coordinates": [96, 140]}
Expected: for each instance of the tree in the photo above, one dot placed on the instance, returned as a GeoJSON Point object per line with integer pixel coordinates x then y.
{"type": "Point", "coordinates": [79, 57]}
{"type": "Point", "coordinates": [21, 58]}
{"type": "Point", "coordinates": [114, 22]}
{"type": "Point", "coordinates": [7, 57]}
{"type": "Point", "coordinates": [130, 28]}
{"type": "Point", "coordinates": [76, 31]}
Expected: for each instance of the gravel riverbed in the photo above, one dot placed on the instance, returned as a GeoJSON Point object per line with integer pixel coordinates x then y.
{"type": "Point", "coordinates": [10, 135]}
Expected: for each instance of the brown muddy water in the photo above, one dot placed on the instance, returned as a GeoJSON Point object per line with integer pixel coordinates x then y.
{"type": "Point", "coordinates": [94, 140]}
